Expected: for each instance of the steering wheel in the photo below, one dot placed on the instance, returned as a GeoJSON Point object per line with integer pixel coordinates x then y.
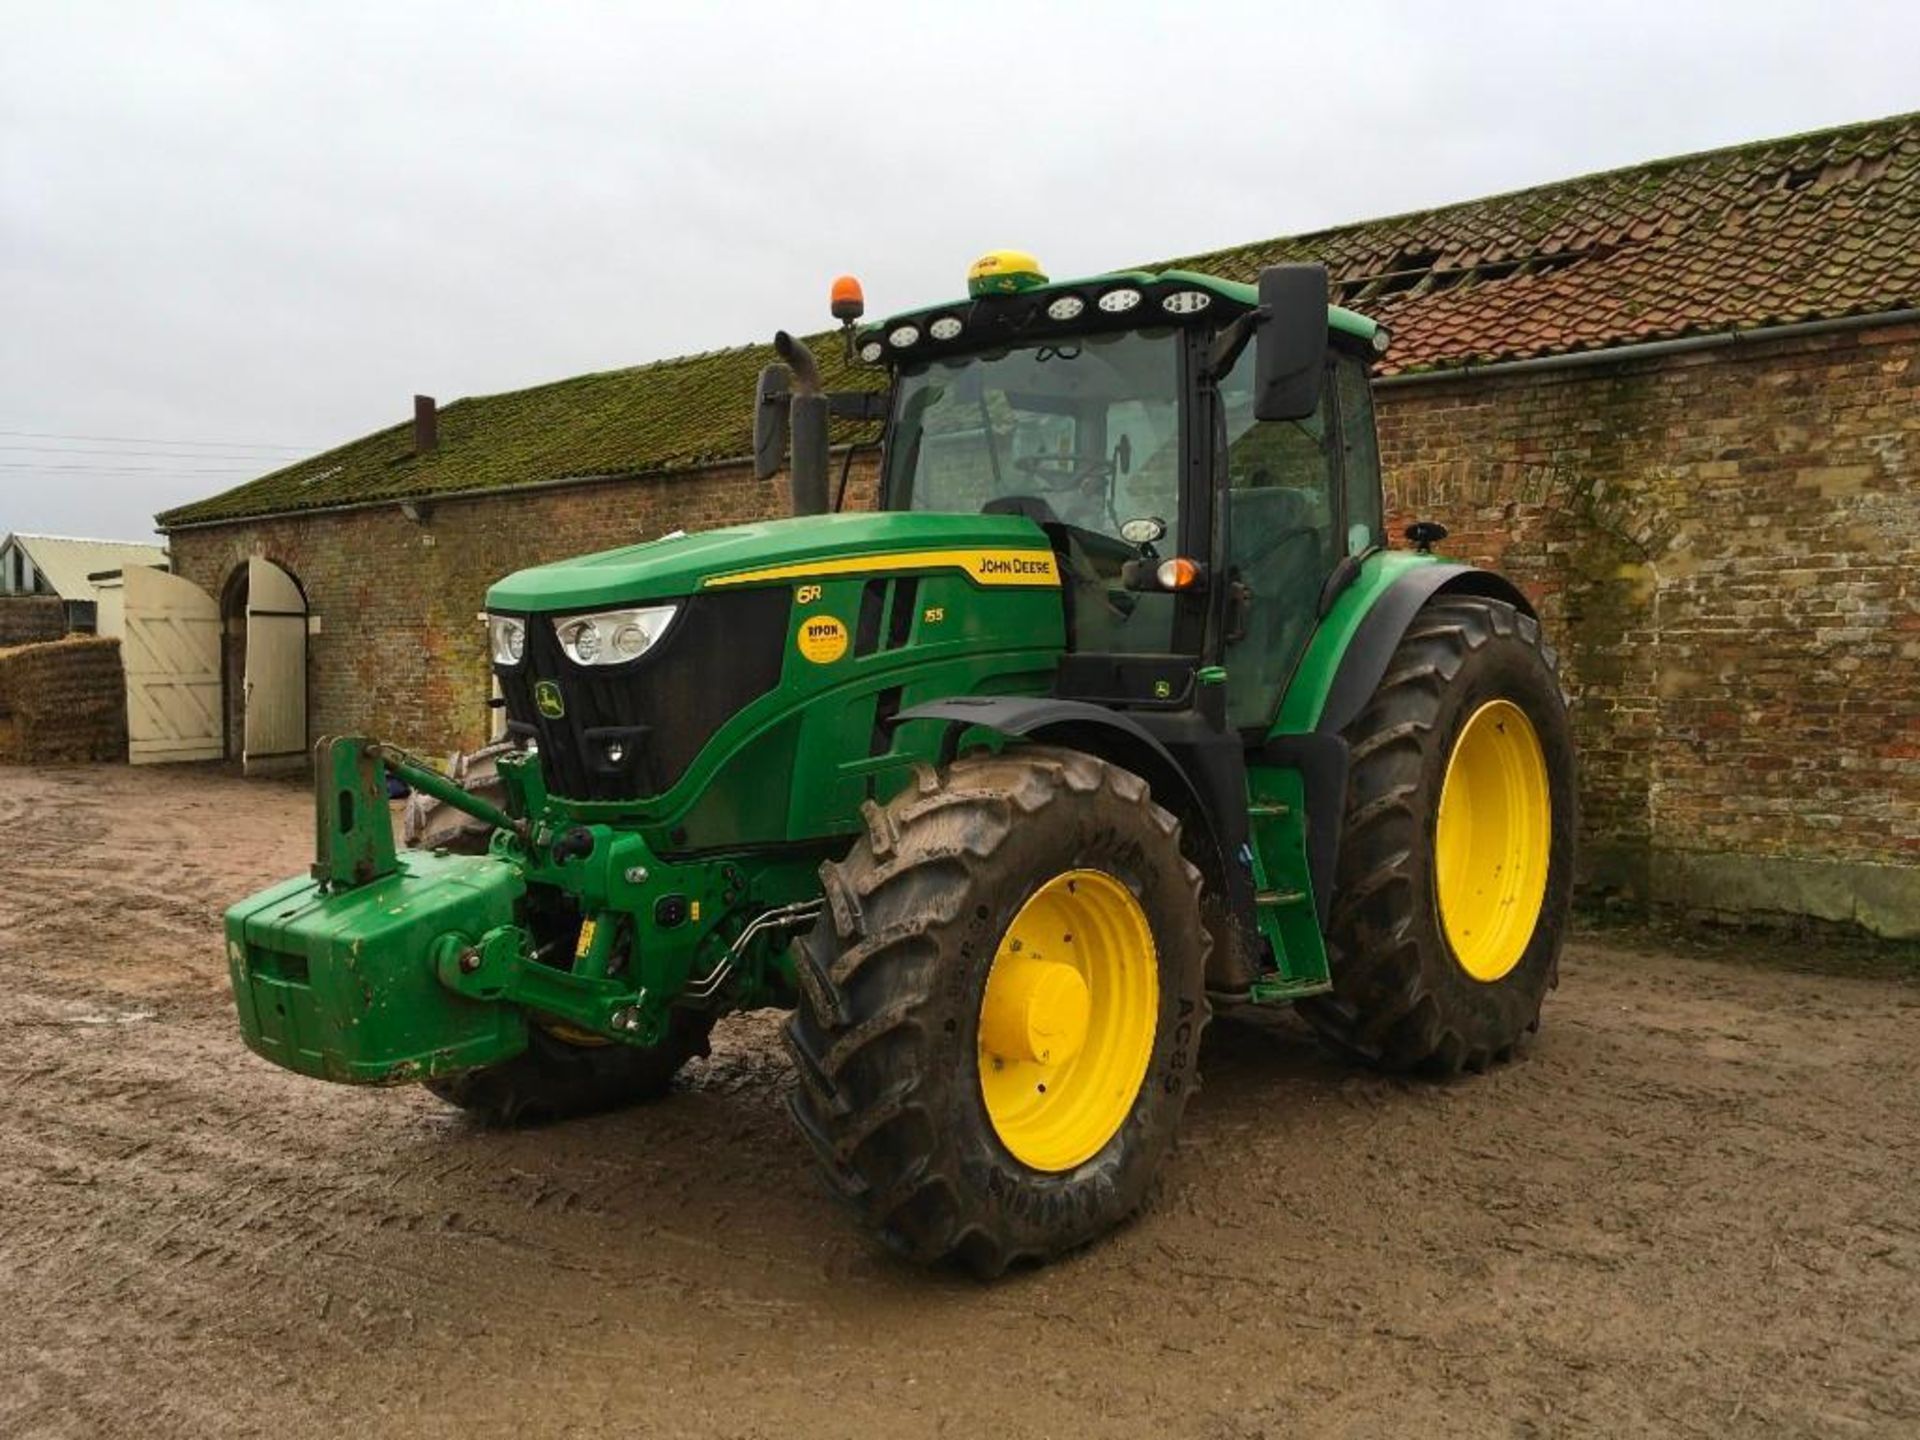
{"type": "Point", "coordinates": [1058, 472]}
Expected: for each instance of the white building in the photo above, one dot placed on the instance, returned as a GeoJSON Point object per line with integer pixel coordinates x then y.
{"type": "Point", "coordinates": [64, 566]}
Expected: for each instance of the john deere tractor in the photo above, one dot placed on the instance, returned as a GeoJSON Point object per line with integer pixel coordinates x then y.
{"type": "Point", "coordinates": [1116, 712]}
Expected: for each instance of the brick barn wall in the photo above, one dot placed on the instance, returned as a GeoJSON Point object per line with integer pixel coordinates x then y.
{"type": "Point", "coordinates": [1726, 546]}
{"type": "Point", "coordinates": [400, 652]}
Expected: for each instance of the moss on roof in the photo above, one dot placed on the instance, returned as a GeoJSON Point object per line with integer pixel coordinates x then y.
{"type": "Point", "coordinates": [672, 415]}
{"type": "Point", "coordinates": [1810, 226]}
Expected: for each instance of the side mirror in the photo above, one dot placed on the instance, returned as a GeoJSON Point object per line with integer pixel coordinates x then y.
{"type": "Point", "coordinates": [1290, 349]}
{"type": "Point", "coordinates": [770, 421]}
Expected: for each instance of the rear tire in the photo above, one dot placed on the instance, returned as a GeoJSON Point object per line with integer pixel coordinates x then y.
{"type": "Point", "coordinates": [894, 1031]}
{"type": "Point", "coordinates": [555, 1079]}
{"type": "Point", "coordinates": [1406, 996]}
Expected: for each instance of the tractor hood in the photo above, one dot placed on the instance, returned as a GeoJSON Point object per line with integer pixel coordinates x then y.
{"type": "Point", "coordinates": [991, 549]}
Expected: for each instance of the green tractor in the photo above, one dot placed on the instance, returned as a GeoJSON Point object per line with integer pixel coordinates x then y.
{"type": "Point", "coordinates": [1116, 713]}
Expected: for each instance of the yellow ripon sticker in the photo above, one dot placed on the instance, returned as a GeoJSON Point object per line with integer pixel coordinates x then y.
{"type": "Point", "coordinates": [586, 940]}
{"type": "Point", "coordinates": [983, 567]}
{"type": "Point", "coordinates": [822, 639]}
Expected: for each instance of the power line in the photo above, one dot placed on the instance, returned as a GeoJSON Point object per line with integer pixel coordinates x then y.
{"type": "Point", "coordinates": [157, 440]}
{"type": "Point", "coordinates": [139, 454]}
{"type": "Point", "coordinates": [121, 469]}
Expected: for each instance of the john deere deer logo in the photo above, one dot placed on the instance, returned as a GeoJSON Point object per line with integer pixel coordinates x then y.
{"type": "Point", "coordinates": [546, 699]}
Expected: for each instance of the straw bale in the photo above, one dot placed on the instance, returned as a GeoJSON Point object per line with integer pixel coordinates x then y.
{"type": "Point", "coordinates": [63, 700]}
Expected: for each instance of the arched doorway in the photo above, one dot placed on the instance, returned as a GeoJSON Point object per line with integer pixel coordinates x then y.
{"type": "Point", "coordinates": [264, 636]}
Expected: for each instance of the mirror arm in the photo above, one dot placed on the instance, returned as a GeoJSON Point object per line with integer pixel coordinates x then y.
{"type": "Point", "coordinates": [864, 405]}
{"type": "Point", "coordinates": [1228, 344]}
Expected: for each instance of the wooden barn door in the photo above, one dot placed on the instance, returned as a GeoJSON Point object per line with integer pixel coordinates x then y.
{"type": "Point", "coordinates": [276, 674]}
{"type": "Point", "coordinates": [170, 648]}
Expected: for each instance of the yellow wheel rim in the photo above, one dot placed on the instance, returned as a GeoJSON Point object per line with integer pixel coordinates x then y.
{"type": "Point", "coordinates": [1068, 1020]}
{"type": "Point", "coordinates": [1492, 840]}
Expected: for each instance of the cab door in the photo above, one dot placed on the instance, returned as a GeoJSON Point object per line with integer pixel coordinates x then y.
{"type": "Point", "coordinates": [1284, 538]}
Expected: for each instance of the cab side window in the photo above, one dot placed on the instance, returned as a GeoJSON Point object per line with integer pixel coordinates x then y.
{"type": "Point", "coordinates": [1286, 534]}
{"type": "Point", "coordinates": [1360, 454]}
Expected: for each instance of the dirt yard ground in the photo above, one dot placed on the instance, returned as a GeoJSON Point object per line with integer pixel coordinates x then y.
{"type": "Point", "coordinates": [1691, 1209]}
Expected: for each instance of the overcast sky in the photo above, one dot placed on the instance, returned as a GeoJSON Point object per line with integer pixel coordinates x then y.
{"type": "Point", "coordinates": [246, 230]}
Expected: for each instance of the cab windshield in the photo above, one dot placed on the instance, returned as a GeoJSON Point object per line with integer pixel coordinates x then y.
{"type": "Point", "coordinates": [1082, 433]}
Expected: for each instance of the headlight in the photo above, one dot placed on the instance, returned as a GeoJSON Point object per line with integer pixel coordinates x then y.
{"type": "Point", "coordinates": [613, 637]}
{"type": "Point", "coordinates": [509, 639]}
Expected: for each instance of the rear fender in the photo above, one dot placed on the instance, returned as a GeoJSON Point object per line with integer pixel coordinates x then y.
{"type": "Point", "coordinates": [1363, 664]}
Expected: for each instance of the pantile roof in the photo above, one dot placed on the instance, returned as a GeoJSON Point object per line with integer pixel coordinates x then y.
{"type": "Point", "coordinates": [1815, 226]}
{"type": "Point", "coordinates": [1810, 227]}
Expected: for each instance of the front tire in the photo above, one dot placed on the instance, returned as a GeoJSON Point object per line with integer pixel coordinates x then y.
{"type": "Point", "coordinates": [1001, 1008]}
{"type": "Point", "coordinates": [1455, 873]}
{"type": "Point", "coordinates": [556, 1078]}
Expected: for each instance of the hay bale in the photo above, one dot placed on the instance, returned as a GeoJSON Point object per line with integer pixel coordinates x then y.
{"type": "Point", "coordinates": [64, 700]}
{"type": "Point", "coordinates": [29, 619]}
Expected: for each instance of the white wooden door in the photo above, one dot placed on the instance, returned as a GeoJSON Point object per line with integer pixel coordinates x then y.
{"type": "Point", "coordinates": [170, 648]}
{"type": "Point", "coordinates": [276, 672]}
{"type": "Point", "coordinates": [109, 609]}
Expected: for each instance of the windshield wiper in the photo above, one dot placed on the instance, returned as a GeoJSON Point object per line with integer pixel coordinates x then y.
{"type": "Point", "coordinates": [986, 426]}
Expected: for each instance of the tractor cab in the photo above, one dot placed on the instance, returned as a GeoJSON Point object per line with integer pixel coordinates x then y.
{"type": "Point", "coordinates": [1199, 454]}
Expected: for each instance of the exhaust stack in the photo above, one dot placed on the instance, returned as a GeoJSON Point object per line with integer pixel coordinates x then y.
{"type": "Point", "coordinates": [806, 424]}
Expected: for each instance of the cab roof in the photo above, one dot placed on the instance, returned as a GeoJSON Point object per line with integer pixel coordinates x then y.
{"type": "Point", "coordinates": [1166, 294]}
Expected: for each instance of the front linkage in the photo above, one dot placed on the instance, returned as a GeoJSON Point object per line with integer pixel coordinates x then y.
{"type": "Point", "coordinates": [328, 971]}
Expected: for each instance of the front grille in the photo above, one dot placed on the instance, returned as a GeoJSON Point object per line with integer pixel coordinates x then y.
{"type": "Point", "coordinates": [723, 652]}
